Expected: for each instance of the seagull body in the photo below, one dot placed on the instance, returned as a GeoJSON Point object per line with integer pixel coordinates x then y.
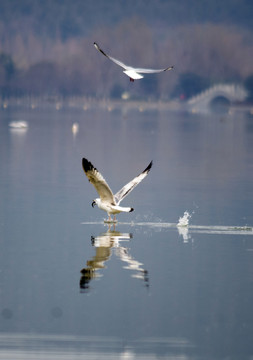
{"type": "Point", "coordinates": [107, 201]}
{"type": "Point", "coordinates": [133, 73]}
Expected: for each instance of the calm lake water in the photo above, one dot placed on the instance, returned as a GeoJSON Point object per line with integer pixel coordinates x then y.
{"type": "Point", "coordinates": [148, 289]}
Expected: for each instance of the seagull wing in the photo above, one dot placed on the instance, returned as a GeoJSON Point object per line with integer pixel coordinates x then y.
{"type": "Point", "coordinates": [131, 185]}
{"type": "Point", "coordinates": [152, 71]}
{"type": "Point", "coordinates": [118, 62]}
{"type": "Point", "coordinates": [98, 182]}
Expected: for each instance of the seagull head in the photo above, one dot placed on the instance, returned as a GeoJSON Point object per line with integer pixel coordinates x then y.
{"type": "Point", "coordinates": [96, 202]}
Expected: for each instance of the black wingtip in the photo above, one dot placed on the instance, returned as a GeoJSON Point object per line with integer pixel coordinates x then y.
{"type": "Point", "coordinates": [87, 165]}
{"type": "Point", "coordinates": [132, 209]}
{"type": "Point", "coordinates": [169, 68]}
{"type": "Point", "coordinates": [149, 166]}
{"type": "Point", "coordinates": [99, 49]}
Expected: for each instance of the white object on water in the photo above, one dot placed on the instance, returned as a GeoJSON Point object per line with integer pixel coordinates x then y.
{"type": "Point", "coordinates": [75, 128]}
{"type": "Point", "coordinates": [184, 220]}
{"type": "Point", "coordinates": [107, 201]}
{"type": "Point", "coordinates": [133, 73]}
{"type": "Point", "coordinates": [18, 124]}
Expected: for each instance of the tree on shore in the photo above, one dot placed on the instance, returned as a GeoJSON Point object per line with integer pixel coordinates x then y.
{"type": "Point", "coordinates": [200, 53]}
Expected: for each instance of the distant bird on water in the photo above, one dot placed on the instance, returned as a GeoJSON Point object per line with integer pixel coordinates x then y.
{"type": "Point", "coordinates": [107, 201]}
{"type": "Point", "coordinates": [18, 124]}
{"type": "Point", "coordinates": [133, 73]}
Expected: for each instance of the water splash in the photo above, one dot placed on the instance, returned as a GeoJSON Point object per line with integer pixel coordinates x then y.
{"type": "Point", "coordinates": [182, 226]}
{"type": "Point", "coordinates": [184, 220]}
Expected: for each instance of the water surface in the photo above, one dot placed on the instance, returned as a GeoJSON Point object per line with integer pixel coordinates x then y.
{"type": "Point", "coordinates": [147, 288]}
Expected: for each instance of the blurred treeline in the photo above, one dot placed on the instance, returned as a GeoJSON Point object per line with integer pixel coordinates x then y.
{"type": "Point", "coordinates": [46, 47]}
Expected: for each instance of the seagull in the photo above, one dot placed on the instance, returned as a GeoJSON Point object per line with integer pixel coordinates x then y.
{"type": "Point", "coordinates": [18, 124]}
{"type": "Point", "coordinates": [107, 201]}
{"type": "Point", "coordinates": [133, 73]}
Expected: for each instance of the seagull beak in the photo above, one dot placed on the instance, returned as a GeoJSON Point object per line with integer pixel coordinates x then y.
{"type": "Point", "coordinates": [93, 203]}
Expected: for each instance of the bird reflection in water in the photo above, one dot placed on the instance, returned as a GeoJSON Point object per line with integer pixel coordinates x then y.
{"type": "Point", "coordinates": [105, 244]}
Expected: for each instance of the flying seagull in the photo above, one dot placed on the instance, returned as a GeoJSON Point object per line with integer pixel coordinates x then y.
{"type": "Point", "coordinates": [133, 73]}
{"type": "Point", "coordinates": [107, 201]}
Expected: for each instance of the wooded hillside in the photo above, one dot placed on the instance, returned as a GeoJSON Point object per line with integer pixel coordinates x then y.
{"type": "Point", "coordinates": [47, 46]}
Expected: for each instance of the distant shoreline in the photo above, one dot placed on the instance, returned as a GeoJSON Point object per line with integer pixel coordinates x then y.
{"type": "Point", "coordinates": [85, 104]}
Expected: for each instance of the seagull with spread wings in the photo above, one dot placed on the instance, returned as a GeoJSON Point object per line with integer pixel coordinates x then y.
{"type": "Point", "coordinates": [133, 73]}
{"type": "Point", "coordinates": [107, 201]}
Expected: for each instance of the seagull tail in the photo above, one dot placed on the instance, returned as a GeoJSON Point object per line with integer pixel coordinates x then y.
{"type": "Point", "coordinates": [127, 209]}
{"type": "Point", "coordinates": [123, 209]}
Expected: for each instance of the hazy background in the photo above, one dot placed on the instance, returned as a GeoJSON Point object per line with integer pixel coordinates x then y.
{"type": "Point", "coordinates": [46, 47]}
{"type": "Point", "coordinates": [194, 299]}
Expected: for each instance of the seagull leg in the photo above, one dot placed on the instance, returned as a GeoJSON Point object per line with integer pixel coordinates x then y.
{"type": "Point", "coordinates": [114, 218]}
{"type": "Point", "coordinates": [131, 80]}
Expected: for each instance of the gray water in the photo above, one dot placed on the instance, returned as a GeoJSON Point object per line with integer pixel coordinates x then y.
{"type": "Point", "coordinates": [73, 288]}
